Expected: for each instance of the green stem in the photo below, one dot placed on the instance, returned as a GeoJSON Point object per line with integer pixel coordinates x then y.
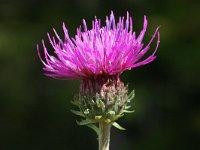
{"type": "Point", "coordinates": [104, 136]}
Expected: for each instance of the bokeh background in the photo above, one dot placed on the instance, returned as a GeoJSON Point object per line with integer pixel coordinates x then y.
{"type": "Point", "coordinates": [35, 110]}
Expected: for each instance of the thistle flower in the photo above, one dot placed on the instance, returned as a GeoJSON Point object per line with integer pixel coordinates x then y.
{"type": "Point", "coordinates": [107, 50]}
{"type": "Point", "coordinates": [97, 57]}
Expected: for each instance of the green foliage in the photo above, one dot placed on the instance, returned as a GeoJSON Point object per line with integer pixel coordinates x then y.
{"type": "Point", "coordinates": [98, 110]}
{"type": "Point", "coordinates": [116, 125]}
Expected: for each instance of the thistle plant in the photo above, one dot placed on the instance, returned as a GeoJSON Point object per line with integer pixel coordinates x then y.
{"type": "Point", "coordinates": [97, 57]}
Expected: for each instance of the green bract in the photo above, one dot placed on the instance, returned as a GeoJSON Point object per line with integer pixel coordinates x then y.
{"type": "Point", "coordinates": [107, 109]}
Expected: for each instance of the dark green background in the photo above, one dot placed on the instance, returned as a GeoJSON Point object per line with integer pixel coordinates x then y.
{"type": "Point", "coordinates": [35, 110]}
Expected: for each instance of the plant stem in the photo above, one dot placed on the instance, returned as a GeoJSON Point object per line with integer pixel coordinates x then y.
{"type": "Point", "coordinates": [104, 136]}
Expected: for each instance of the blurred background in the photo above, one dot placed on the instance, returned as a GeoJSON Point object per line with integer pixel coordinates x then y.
{"type": "Point", "coordinates": [35, 110]}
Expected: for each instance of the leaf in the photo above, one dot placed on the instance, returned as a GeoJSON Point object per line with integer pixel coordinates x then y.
{"type": "Point", "coordinates": [85, 122]}
{"type": "Point", "coordinates": [131, 96]}
{"type": "Point", "coordinates": [73, 102]}
{"type": "Point", "coordinates": [78, 113]}
{"type": "Point", "coordinates": [76, 103]}
{"type": "Point", "coordinates": [128, 111]}
{"type": "Point", "coordinates": [91, 101]}
{"type": "Point", "coordinates": [102, 105]}
{"type": "Point", "coordinates": [86, 112]}
{"type": "Point", "coordinates": [94, 127]}
{"type": "Point", "coordinates": [111, 115]}
{"type": "Point", "coordinates": [98, 117]}
{"type": "Point", "coordinates": [119, 116]}
{"type": "Point", "coordinates": [116, 125]}
{"type": "Point", "coordinates": [127, 107]}
{"type": "Point", "coordinates": [111, 112]}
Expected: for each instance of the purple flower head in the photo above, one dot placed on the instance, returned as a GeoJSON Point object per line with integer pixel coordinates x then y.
{"type": "Point", "coordinates": [103, 50]}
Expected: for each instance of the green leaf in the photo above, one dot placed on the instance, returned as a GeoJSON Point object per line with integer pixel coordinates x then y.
{"type": "Point", "coordinates": [73, 102]}
{"type": "Point", "coordinates": [76, 103]}
{"type": "Point", "coordinates": [131, 96]}
{"type": "Point", "coordinates": [86, 112]}
{"type": "Point", "coordinates": [78, 113]}
{"type": "Point", "coordinates": [116, 125]}
{"type": "Point", "coordinates": [119, 116]}
{"type": "Point", "coordinates": [112, 113]}
{"type": "Point", "coordinates": [85, 122]}
{"type": "Point", "coordinates": [102, 105]}
{"type": "Point", "coordinates": [127, 107]}
{"type": "Point", "coordinates": [128, 111]}
{"type": "Point", "coordinates": [98, 117]}
{"type": "Point", "coordinates": [94, 127]}
{"type": "Point", "coordinates": [91, 101]}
